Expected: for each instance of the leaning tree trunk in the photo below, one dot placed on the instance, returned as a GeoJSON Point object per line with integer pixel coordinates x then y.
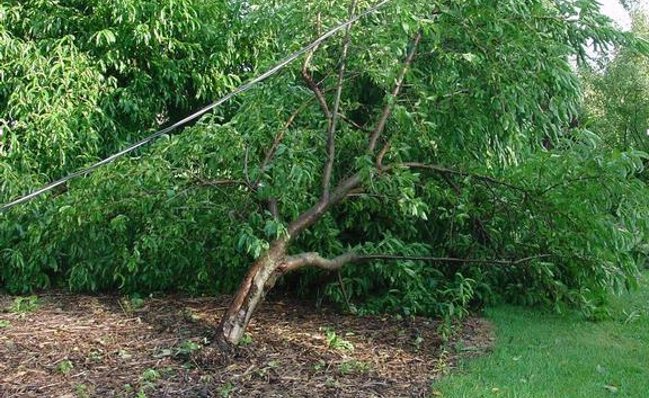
{"type": "Point", "coordinates": [261, 277]}
{"type": "Point", "coordinates": [263, 274]}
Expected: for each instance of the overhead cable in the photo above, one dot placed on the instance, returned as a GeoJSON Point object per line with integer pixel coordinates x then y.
{"type": "Point", "coordinates": [244, 87]}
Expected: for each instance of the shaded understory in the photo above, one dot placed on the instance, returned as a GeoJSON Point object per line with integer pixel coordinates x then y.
{"type": "Point", "coordinates": [104, 346]}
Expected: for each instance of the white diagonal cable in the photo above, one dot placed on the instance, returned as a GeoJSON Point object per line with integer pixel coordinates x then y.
{"type": "Point", "coordinates": [244, 87]}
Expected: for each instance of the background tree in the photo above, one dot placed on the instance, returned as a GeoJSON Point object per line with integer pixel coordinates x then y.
{"type": "Point", "coordinates": [616, 94]}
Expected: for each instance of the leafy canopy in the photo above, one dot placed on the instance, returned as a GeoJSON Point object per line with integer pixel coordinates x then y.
{"type": "Point", "coordinates": [491, 98]}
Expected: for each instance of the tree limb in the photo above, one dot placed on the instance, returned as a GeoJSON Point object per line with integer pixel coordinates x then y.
{"type": "Point", "coordinates": [214, 183]}
{"type": "Point", "coordinates": [445, 170]}
{"type": "Point", "coordinates": [313, 259]}
{"type": "Point", "coordinates": [331, 131]}
{"type": "Point", "coordinates": [387, 111]}
{"type": "Point", "coordinates": [312, 215]}
{"type": "Point", "coordinates": [280, 136]}
{"type": "Point", "coordinates": [313, 86]}
{"type": "Point", "coordinates": [353, 123]}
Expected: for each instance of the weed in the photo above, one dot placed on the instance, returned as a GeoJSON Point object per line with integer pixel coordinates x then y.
{"type": "Point", "coordinates": [123, 354]}
{"type": "Point", "coordinates": [417, 342]}
{"type": "Point", "coordinates": [95, 356]}
{"type": "Point", "coordinates": [336, 342]}
{"type": "Point", "coordinates": [65, 367]}
{"type": "Point", "coordinates": [150, 375]}
{"type": "Point", "coordinates": [246, 340]}
{"type": "Point", "coordinates": [206, 379]}
{"type": "Point", "coordinates": [631, 317]}
{"type": "Point", "coordinates": [167, 372]}
{"type": "Point", "coordinates": [321, 364]}
{"type": "Point", "coordinates": [81, 391]}
{"type": "Point", "coordinates": [187, 347]}
{"type": "Point", "coordinates": [274, 364]}
{"type": "Point", "coordinates": [136, 302]}
{"type": "Point", "coordinates": [189, 315]}
{"type": "Point", "coordinates": [131, 304]}
{"type": "Point", "coordinates": [353, 366]}
{"type": "Point", "coordinates": [4, 324]}
{"type": "Point", "coordinates": [23, 305]}
{"type": "Point", "coordinates": [226, 390]}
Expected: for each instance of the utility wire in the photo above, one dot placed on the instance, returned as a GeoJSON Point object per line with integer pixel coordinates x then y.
{"type": "Point", "coordinates": [244, 87]}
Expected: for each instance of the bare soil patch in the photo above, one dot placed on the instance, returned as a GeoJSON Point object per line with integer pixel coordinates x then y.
{"type": "Point", "coordinates": [105, 346]}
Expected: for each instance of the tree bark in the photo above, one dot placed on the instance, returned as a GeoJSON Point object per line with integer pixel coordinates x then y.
{"type": "Point", "coordinates": [261, 277]}
{"type": "Point", "coordinates": [263, 274]}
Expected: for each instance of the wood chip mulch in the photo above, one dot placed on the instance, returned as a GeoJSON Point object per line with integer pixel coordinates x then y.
{"type": "Point", "coordinates": [73, 346]}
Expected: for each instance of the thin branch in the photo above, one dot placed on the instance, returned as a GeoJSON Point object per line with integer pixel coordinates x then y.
{"type": "Point", "coordinates": [216, 183]}
{"type": "Point", "coordinates": [273, 208]}
{"type": "Point", "coordinates": [313, 259]}
{"type": "Point", "coordinates": [445, 170]}
{"type": "Point", "coordinates": [353, 123]}
{"type": "Point", "coordinates": [379, 158]}
{"type": "Point", "coordinates": [343, 289]}
{"type": "Point", "coordinates": [245, 165]}
{"type": "Point", "coordinates": [316, 211]}
{"type": "Point", "coordinates": [567, 181]}
{"type": "Point", "coordinates": [331, 131]}
{"type": "Point", "coordinates": [387, 111]}
{"type": "Point", "coordinates": [280, 135]}
{"type": "Point", "coordinates": [313, 86]}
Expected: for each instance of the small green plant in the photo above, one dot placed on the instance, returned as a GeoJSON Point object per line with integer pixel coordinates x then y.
{"type": "Point", "coordinates": [95, 356]}
{"type": "Point", "coordinates": [23, 305]}
{"type": "Point", "coordinates": [189, 315]}
{"type": "Point", "coordinates": [263, 371]}
{"type": "Point", "coordinates": [136, 302]}
{"type": "Point", "coordinates": [246, 340]}
{"type": "Point", "coordinates": [226, 390]}
{"type": "Point", "coordinates": [81, 391]}
{"type": "Point", "coordinates": [65, 367]}
{"type": "Point", "coordinates": [336, 342]}
{"type": "Point", "coordinates": [417, 342]}
{"type": "Point", "coordinates": [206, 379]}
{"type": "Point", "coordinates": [318, 366]}
{"type": "Point", "coordinates": [631, 317]}
{"type": "Point", "coordinates": [123, 354]}
{"type": "Point", "coordinates": [353, 366]}
{"type": "Point", "coordinates": [4, 324]}
{"type": "Point", "coordinates": [187, 347]}
{"type": "Point", "coordinates": [131, 304]}
{"type": "Point", "coordinates": [150, 375]}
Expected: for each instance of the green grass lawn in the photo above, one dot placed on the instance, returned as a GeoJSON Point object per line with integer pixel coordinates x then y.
{"type": "Point", "coordinates": [548, 355]}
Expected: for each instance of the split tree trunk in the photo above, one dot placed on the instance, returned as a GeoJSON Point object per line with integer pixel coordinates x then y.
{"type": "Point", "coordinates": [263, 274]}
{"type": "Point", "coordinates": [261, 277]}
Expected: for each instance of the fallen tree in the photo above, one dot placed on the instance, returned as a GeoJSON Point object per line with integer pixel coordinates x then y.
{"type": "Point", "coordinates": [427, 159]}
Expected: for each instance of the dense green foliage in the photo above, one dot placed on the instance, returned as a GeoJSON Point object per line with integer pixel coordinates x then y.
{"type": "Point", "coordinates": [490, 100]}
{"type": "Point", "coordinates": [617, 104]}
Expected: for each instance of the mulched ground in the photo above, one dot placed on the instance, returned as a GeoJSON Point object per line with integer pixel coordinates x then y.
{"type": "Point", "coordinates": [103, 346]}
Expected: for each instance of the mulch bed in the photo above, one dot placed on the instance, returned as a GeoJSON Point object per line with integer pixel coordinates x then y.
{"type": "Point", "coordinates": [104, 346]}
